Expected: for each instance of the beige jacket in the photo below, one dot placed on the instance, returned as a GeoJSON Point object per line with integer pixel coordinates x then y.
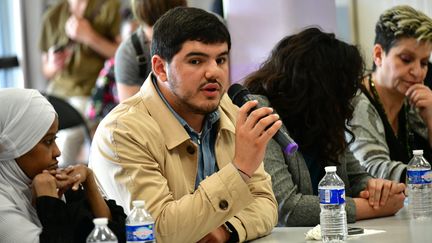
{"type": "Point", "coordinates": [140, 151]}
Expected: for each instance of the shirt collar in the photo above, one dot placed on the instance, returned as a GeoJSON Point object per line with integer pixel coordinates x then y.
{"type": "Point", "coordinates": [170, 127]}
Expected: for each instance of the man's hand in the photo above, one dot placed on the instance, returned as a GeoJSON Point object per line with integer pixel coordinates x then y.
{"type": "Point", "coordinates": [253, 132]}
{"type": "Point", "coordinates": [219, 235]}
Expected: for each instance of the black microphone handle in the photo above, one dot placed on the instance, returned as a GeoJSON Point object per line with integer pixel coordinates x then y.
{"type": "Point", "coordinates": [288, 145]}
{"type": "Point", "coordinates": [285, 141]}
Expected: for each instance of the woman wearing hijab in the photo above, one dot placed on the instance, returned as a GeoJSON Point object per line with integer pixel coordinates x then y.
{"type": "Point", "coordinates": [39, 201]}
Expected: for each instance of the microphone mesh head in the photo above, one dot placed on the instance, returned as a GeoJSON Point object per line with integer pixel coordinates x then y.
{"type": "Point", "coordinates": [237, 93]}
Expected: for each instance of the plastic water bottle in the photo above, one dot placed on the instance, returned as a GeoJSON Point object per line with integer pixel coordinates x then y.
{"type": "Point", "coordinates": [332, 202]}
{"type": "Point", "coordinates": [101, 232]}
{"type": "Point", "coordinates": [419, 186]}
{"type": "Point", "coordinates": [139, 225]}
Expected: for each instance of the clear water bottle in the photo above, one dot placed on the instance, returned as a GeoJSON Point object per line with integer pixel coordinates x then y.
{"type": "Point", "coordinates": [332, 202]}
{"type": "Point", "coordinates": [139, 225]}
{"type": "Point", "coordinates": [419, 186]}
{"type": "Point", "coordinates": [101, 232]}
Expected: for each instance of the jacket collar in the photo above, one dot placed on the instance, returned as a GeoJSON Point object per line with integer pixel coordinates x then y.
{"type": "Point", "coordinates": [174, 133]}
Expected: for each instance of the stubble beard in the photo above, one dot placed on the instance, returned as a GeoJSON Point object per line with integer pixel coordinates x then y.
{"type": "Point", "coordinates": [201, 110]}
{"type": "Point", "coordinates": [184, 101]}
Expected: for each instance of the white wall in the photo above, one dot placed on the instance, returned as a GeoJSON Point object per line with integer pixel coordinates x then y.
{"type": "Point", "coordinates": [367, 16]}
{"type": "Point", "coordinates": [257, 25]}
{"type": "Point", "coordinates": [204, 4]}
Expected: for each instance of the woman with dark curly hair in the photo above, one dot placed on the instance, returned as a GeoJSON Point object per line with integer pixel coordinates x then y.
{"type": "Point", "coordinates": [310, 79]}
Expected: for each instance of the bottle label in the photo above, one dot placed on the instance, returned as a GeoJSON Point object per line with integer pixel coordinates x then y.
{"type": "Point", "coordinates": [419, 176]}
{"type": "Point", "coordinates": [332, 196]}
{"type": "Point", "coordinates": [140, 233]}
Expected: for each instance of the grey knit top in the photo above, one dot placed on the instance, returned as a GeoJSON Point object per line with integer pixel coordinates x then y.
{"type": "Point", "coordinates": [292, 184]}
{"type": "Point", "coordinates": [370, 146]}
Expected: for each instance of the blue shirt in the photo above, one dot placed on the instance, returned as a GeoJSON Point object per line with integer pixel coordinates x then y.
{"type": "Point", "coordinates": [205, 140]}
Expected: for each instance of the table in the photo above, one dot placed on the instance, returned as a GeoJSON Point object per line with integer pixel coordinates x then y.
{"type": "Point", "coordinates": [399, 229]}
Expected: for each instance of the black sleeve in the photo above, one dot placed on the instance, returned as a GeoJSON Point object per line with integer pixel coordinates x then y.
{"type": "Point", "coordinates": [233, 234]}
{"type": "Point", "coordinates": [118, 220]}
{"type": "Point", "coordinates": [55, 220]}
{"type": "Point", "coordinates": [82, 217]}
{"type": "Point", "coordinates": [403, 176]}
{"type": "Point", "coordinates": [73, 221]}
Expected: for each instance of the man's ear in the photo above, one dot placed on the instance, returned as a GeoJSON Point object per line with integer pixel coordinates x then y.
{"type": "Point", "coordinates": [159, 68]}
{"type": "Point", "coordinates": [378, 54]}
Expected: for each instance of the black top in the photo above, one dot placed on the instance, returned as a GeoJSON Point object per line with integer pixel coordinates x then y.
{"type": "Point", "coordinates": [315, 167]}
{"type": "Point", "coordinates": [73, 221]}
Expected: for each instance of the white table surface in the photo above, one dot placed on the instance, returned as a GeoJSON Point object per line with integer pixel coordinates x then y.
{"type": "Point", "coordinates": [399, 229]}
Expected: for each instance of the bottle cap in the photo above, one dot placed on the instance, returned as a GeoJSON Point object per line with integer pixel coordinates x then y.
{"type": "Point", "coordinates": [418, 152]}
{"type": "Point", "coordinates": [138, 203]}
{"type": "Point", "coordinates": [100, 221]}
{"type": "Point", "coordinates": [330, 168]}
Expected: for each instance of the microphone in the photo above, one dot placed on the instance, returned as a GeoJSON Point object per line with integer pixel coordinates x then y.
{"type": "Point", "coordinates": [240, 95]}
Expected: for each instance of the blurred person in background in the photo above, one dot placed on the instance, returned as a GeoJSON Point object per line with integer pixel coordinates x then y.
{"type": "Point", "coordinates": [77, 37]}
{"type": "Point", "coordinates": [104, 95]}
{"type": "Point", "coordinates": [133, 60]}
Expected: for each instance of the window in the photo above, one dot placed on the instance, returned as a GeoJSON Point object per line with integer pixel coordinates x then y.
{"type": "Point", "coordinates": [11, 74]}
